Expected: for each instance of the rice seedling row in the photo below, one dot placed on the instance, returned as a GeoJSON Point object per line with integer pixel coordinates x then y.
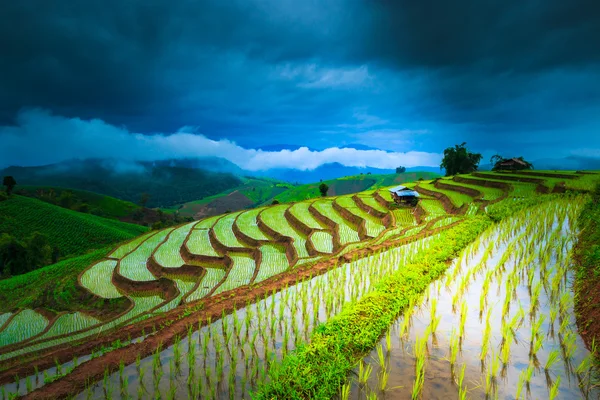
{"type": "Point", "coordinates": [240, 274]}
{"type": "Point", "coordinates": [323, 241]}
{"type": "Point", "coordinates": [371, 202]}
{"type": "Point", "coordinates": [224, 232]}
{"type": "Point", "coordinates": [274, 261]}
{"type": "Point", "coordinates": [98, 279]}
{"type": "Point", "coordinates": [348, 232]}
{"type": "Point", "coordinates": [207, 223]}
{"type": "Point", "coordinates": [209, 281]}
{"type": "Point", "coordinates": [168, 253]}
{"type": "Point", "coordinates": [489, 193]}
{"type": "Point", "coordinates": [275, 219]}
{"type": "Point", "coordinates": [128, 247]}
{"type": "Point", "coordinates": [246, 223]}
{"type": "Point", "coordinates": [457, 198]}
{"type": "Point", "coordinates": [199, 243]}
{"type": "Point", "coordinates": [433, 207]}
{"type": "Point", "coordinates": [373, 224]}
{"type": "Point", "coordinates": [300, 211]}
{"type": "Point", "coordinates": [25, 325]}
{"type": "Point", "coordinates": [404, 217]}
{"type": "Point", "coordinates": [133, 266]}
{"type": "Point", "coordinates": [498, 324]}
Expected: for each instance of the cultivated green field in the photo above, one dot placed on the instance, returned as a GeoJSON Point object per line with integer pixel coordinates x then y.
{"type": "Point", "coordinates": [164, 290]}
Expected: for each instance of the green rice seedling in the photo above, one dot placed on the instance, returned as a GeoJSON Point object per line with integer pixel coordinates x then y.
{"type": "Point", "coordinates": [364, 372]}
{"type": "Point", "coordinates": [570, 344]}
{"type": "Point", "coordinates": [106, 386]}
{"type": "Point", "coordinates": [520, 384]}
{"type": "Point", "coordinates": [505, 349]}
{"type": "Point", "coordinates": [388, 339]}
{"type": "Point", "coordinates": [554, 389]}
{"type": "Point", "coordinates": [553, 357]}
{"type": "Point", "coordinates": [461, 377]}
{"type": "Point", "coordinates": [463, 319]}
{"type": "Point", "coordinates": [564, 325]}
{"type": "Point", "coordinates": [344, 393]}
{"type": "Point", "coordinates": [28, 384]}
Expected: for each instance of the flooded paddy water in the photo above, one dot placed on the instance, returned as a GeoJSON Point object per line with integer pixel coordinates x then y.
{"type": "Point", "coordinates": [499, 323]}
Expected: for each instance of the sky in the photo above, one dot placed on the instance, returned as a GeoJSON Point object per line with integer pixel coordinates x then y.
{"type": "Point", "coordinates": [159, 79]}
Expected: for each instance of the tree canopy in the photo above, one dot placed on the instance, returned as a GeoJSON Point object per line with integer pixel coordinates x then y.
{"type": "Point", "coordinates": [400, 170]}
{"type": "Point", "coordinates": [10, 183]}
{"type": "Point", "coordinates": [323, 188]}
{"type": "Point", "coordinates": [459, 160]}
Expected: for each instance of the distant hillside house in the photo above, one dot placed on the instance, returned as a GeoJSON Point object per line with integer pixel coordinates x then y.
{"type": "Point", "coordinates": [404, 196]}
{"type": "Point", "coordinates": [512, 165]}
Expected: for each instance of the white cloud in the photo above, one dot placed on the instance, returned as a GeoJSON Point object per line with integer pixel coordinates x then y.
{"type": "Point", "coordinates": [42, 138]}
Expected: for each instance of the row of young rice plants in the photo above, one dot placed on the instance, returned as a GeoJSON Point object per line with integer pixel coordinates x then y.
{"type": "Point", "coordinates": [373, 224]}
{"type": "Point", "coordinates": [24, 385]}
{"type": "Point", "coordinates": [212, 278]}
{"type": "Point", "coordinates": [457, 198]}
{"type": "Point", "coordinates": [241, 272]}
{"type": "Point", "coordinates": [133, 266]}
{"type": "Point", "coordinates": [499, 324]}
{"type": "Point", "coordinates": [207, 223]}
{"type": "Point", "coordinates": [489, 193]}
{"type": "Point", "coordinates": [275, 219]}
{"type": "Point", "coordinates": [331, 353]}
{"type": "Point", "coordinates": [228, 357]}
{"type": "Point", "coordinates": [97, 279]}
{"type": "Point", "coordinates": [3, 318]}
{"type": "Point", "coordinates": [323, 241]}
{"type": "Point", "coordinates": [247, 223]}
{"type": "Point", "coordinates": [24, 325]}
{"type": "Point", "coordinates": [433, 208]}
{"type": "Point", "coordinates": [274, 261]}
{"type": "Point", "coordinates": [300, 211]}
{"type": "Point", "coordinates": [224, 232]}
{"type": "Point", "coordinates": [199, 243]}
{"type": "Point", "coordinates": [128, 247]}
{"type": "Point", "coordinates": [68, 323]}
{"type": "Point", "coordinates": [404, 217]}
{"type": "Point", "coordinates": [348, 232]}
{"type": "Point", "coordinates": [371, 202]}
{"type": "Point", "coordinates": [168, 253]}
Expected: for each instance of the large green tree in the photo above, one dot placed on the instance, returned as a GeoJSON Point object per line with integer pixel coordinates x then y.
{"type": "Point", "coordinates": [323, 188]}
{"type": "Point", "coordinates": [459, 160]}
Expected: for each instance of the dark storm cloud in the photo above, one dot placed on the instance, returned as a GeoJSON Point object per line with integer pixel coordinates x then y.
{"type": "Point", "coordinates": [414, 75]}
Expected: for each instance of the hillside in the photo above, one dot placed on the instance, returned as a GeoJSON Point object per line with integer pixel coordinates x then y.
{"type": "Point", "coordinates": [166, 185]}
{"type": "Point", "coordinates": [174, 281]}
{"type": "Point", "coordinates": [73, 233]}
{"type": "Point", "coordinates": [351, 184]}
{"type": "Point", "coordinates": [253, 191]}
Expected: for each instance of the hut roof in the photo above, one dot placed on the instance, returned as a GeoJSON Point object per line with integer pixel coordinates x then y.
{"type": "Point", "coordinates": [399, 189]}
{"type": "Point", "coordinates": [513, 161]}
{"type": "Point", "coordinates": [407, 193]}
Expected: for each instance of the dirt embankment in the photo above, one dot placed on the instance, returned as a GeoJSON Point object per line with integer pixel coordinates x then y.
{"type": "Point", "coordinates": [335, 229]}
{"type": "Point", "coordinates": [354, 219]}
{"type": "Point", "coordinates": [288, 242]}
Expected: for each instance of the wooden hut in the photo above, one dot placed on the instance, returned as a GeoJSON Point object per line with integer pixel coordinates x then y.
{"type": "Point", "coordinates": [404, 196]}
{"type": "Point", "coordinates": [512, 164]}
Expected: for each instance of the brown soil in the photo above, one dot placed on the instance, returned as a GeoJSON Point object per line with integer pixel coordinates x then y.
{"type": "Point", "coordinates": [226, 302]}
{"type": "Point", "coordinates": [232, 202]}
{"type": "Point", "coordinates": [587, 309]}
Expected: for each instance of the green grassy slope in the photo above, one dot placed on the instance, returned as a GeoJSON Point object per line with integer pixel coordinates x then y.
{"type": "Point", "coordinates": [105, 206]}
{"type": "Point", "coordinates": [72, 232]}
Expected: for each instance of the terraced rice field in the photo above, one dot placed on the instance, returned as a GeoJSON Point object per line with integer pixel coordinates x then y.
{"type": "Point", "coordinates": [347, 231]}
{"type": "Point", "coordinates": [224, 232]}
{"type": "Point", "coordinates": [275, 219]}
{"type": "Point", "coordinates": [247, 223]}
{"type": "Point", "coordinates": [457, 198]}
{"type": "Point", "coordinates": [199, 243]}
{"type": "Point", "coordinates": [187, 289]}
{"type": "Point", "coordinates": [373, 225]}
{"type": "Point", "coordinates": [300, 211]}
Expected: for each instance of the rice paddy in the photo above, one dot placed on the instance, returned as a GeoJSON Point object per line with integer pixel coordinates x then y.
{"type": "Point", "coordinates": [498, 324]}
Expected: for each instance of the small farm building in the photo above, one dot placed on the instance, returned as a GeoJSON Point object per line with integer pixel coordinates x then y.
{"type": "Point", "coordinates": [512, 165]}
{"type": "Point", "coordinates": [404, 195]}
